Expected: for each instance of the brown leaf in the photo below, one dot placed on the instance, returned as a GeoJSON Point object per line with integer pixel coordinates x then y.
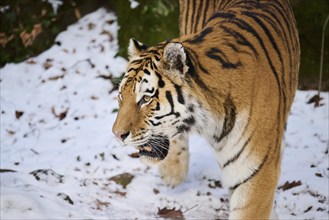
{"type": "Point", "coordinates": [91, 26]}
{"type": "Point", "coordinates": [123, 194]}
{"type": "Point", "coordinates": [18, 114]}
{"type": "Point", "coordinates": [77, 13]}
{"type": "Point", "coordinates": [47, 65]}
{"type": "Point", "coordinates": [6, 170]}
{"type": "Point", "coordinates": [110, 36]}
{"type": "Point", "coordinates": [318, 174]}
{"type": "Point", "coordinates": [28, 38]}
{"type": "Point", "coordinates": [60, 116]}
{"type": "Point", "coordinates": [100, 204]}
{"type": "Point", "coordinates": [30, 61]}
{"type": "Point", "coordinates": [316, 100]}
{"type": "Point", "coordinates": [122, 179]}
{"type": "Point", "coordinates": [10, 132]}
{"type": "Point", "coordinates": [56, 77]}
{"type": "Point", "coordinates": [4, 39]}
{"type": "Point", "coordinates": [134, 155]}
{"type": "Point", "coordinates": [308, 209]}
{"type": "Point", "coordinates": [156, 191]}
{"type": "Point", "coordinates": [170, 213]}
{"type": "Point", "coordinates": [287, 185]}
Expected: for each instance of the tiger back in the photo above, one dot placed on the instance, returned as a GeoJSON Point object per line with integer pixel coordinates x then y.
{"type": "Point", "coordinates": [231, 77]}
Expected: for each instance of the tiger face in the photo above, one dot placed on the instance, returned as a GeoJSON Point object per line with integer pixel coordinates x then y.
{"type": "Point", "coordinates": [152, 108]}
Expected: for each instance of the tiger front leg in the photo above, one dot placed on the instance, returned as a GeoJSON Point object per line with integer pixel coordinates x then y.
{"type": "Point", "coordinates": [174, 168]}
{"type": "Point", "coordinates": [253, 199]}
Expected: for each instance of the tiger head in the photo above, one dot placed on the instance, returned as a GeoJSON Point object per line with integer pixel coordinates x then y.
{"type": "Point", "coordinates": [152, 104]}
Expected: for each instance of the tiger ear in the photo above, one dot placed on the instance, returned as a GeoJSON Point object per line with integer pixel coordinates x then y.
{"type": "Point", "coordinates": [174, 60]}
{"type": "Point", "coordinates": [135, 47]}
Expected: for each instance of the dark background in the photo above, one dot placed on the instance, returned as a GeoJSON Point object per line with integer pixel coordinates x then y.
{"type": "Point", "coordinates": [28, 27]}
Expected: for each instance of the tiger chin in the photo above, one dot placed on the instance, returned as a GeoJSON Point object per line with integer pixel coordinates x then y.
{"type": "Point", "coordinates": [232, 80]}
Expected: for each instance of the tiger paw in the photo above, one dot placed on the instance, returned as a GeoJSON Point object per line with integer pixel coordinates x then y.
{"type": "Point", "coordinates": [173, 171]}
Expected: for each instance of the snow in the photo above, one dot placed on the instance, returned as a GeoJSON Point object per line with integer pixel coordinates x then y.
{"type": "Point", "coordinates": [56, 120]}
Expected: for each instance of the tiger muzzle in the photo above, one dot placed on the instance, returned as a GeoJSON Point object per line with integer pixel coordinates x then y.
{"type": "Point", "coordinates": [156, 148]}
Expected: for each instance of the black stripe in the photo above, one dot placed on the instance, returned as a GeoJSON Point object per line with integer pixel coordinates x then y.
{"type": "Point", "coordinates": [205, 13]}
{"type": "Point", "coordinates": [180, 96]}
{"type": "Point", "coordinates": [154, 66]}
{"type": "Point", "coordinates": [237, 155]}
{"type": "Point", "coordinates": [240, 39]}
{"type": "Point", "coordinates": [161, 83]}
{"type": "Point", "coordinates": [229, 120]}
{"type": "Point", "coordinates": [154, 124]}
{"type": "Point", "coordinates": [192, 72]}
{"type": "Point", "coordinates": [197, 16]}
{"type": "Point", "coordinates": [218, 55]}
{"type": "Point", "coordinates": [191, 20]}
{"type": "Point", "coordinates": [187, 15]}
{"type": "Point", "coordinates": [172, 111]}
{"type": "Point", "coordinates": [189, 121]}
{"type": "Point", "coordinates": [200, 37]}
{"type": "Point", "coordinates": [183, 128]}
{"type": "Point", "coordinates": [147, 72]}
{"type": "Point", "coordinates": [194, 57]}
{"type": "Point", "coordinates": [252, 175]}
{"type": "Point", "coordinates": [150, 90]}
{"type": "Point", "coordinates": [157, 107]}
{"type": "Point", "coordinates": [221, 15]}
{"type": "Point", "coordinates": [235, 48]}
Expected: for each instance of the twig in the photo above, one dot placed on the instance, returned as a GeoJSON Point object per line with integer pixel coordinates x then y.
{"type": "Point", "coordinates": [189, 209]}
{"type": "Point", "coordinates": [317, 103]}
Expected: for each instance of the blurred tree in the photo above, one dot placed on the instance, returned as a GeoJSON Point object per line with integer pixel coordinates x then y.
{"type": "Point", "coordinates": [150, 22]}
{"type": "Point", "coordinates": [310, 17]}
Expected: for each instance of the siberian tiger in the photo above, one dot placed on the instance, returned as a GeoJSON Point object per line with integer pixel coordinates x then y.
{"type": "Point", "coordinates": [231, 77]}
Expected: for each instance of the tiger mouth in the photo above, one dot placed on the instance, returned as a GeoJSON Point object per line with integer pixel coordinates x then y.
{"type": "Point", "coordinates": [154, 148]}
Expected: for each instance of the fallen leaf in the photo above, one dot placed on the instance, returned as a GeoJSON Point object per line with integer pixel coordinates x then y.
{"type": "Point", "coordinates": [46, 175]}
{"type": "Point", "coordinates": [47, 65]}
{"type": "Point", "coordinates": [100, 204]}
{"type": "Point", "coordinates": [287, 185]}
{"type": "Point", "coordinates": [30, 61]}
{"type": "Point", "coordinates": [134, 155]}
{"type": "Point", "coordinates": [122, 179]}
{"type": "Point", "coordinates": [10, 132]}
{"type": "Point", "coordinates": [316, 100]}
{"type": "Point", "coordinates": [56, 77]}
{"type": "Point", "coordinates": [123, 194]}
{"type": "Point", "coordinates": [156, 191]}
{"type": "Point", "coordinates": [170, 213]}
{"type": "Point", "coordinates": [7, 170]}
{"type": "Point", "coordinates": [18, 114]}
{"type": "Point", "coordinates": [61, 115]}
{"type": "Point", "coordinates": [110, 36]}
{"type": "Point", "coordinates": [318, 174]}
{"type": "Point", "coordinates": [308, 209]}
{"type": "Point", "coordinates": [65, 197]}
{"type": "Point", "coordinates": [214, 184]}
{"type": "Point", "coordinates": [91, 26]}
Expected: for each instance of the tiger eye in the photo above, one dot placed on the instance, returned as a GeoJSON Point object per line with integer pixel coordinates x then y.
{"type": "Point", "coordinates": [146, 98]}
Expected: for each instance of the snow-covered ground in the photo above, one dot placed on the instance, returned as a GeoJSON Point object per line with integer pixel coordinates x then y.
{"type": "Point", "coordinates": [59, 159]}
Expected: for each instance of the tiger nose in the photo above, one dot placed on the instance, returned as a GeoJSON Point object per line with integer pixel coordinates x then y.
{"type": "Point", "coordinates": [121, 135]}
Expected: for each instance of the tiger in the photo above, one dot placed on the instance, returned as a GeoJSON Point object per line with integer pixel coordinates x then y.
{"type": "Point", "coordinates": [231, 77]}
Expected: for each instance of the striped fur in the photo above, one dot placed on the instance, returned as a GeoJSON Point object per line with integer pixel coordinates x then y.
{"type": "Point", "coordinates": [231, 77]}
